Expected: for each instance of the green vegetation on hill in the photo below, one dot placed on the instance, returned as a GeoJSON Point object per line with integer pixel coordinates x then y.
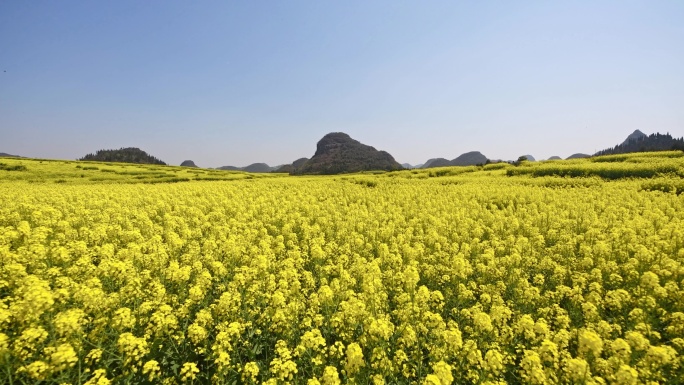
{"type": "Point", "coordinates": [123, 155]}
{"type": "Point", "coordinates": [653, 142]}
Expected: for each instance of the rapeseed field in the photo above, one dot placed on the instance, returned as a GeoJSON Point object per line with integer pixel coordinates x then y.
{"type": "Point", "coordinates": [564, 272]}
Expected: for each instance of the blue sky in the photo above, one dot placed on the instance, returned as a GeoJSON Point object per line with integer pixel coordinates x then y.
{"type": "Point", "coordinates": [233, 83]}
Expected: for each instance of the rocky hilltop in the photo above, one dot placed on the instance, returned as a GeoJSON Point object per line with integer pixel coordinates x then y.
{"type": "Point", "coordinates": [633, 136]}
{"type": "Point", "coordinates": [338, 153]}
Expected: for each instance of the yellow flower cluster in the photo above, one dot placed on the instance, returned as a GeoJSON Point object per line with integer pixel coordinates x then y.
{"type": "Point", "coordinates": [132, 348]}
{"type": "Point", "coordinates": [454, 276]}
{"type": "Point", "coordinates": [189, 372]}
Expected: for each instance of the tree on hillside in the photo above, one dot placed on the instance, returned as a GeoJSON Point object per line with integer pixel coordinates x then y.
{"type": "Point", "coordinates": [124, 155]}
{"type": "Point", "coordinates": [653, 142]}
{"type": "Point", "coordinates": [520, 160]}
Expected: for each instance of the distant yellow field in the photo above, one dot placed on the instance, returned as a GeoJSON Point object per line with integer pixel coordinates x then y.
{"type": "Point", "coordinates": [559, 272]}
{"type": "Point", "coordinates": [71, 172]}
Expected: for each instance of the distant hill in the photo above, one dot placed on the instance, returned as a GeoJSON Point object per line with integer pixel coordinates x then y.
{"type": "Point", "coordinates": [188, 163]}
{"type": "Point", "coordinates": [436, 162]}
{"type": "Point", "coordinates": [229, 168]}
{"type": "Point", "coordinates": [257, 167]}
{"type": "Point", "coordinates": [299, 162]}
{"type": "Point", "coordinates": [578, 156]}
{"type": "Point", "coordinates": [6, 155]}
{"type": "Point", "coordinates": [555, 158]}
{"type": "Point", "coordinates": [338, 153]}
{"type": "Point", "coordinates": [633, 136]}
{"type": "Point", "coordinates": [286, 168]}
{"type": "Point", "coordinates": [410, 166]}
{"type": "Point", "coordinates": [291, 168]}
{"type": "Point", "coordinates": [471, 158]}
{"type": "Point", "coordinates": [254, 167]}
{"type": "Point", "coordinates": [640, 142]}
{"type": "Point", "coordinates": [530, 158]}
{"type": "Point", "coordinates": [124, 155]}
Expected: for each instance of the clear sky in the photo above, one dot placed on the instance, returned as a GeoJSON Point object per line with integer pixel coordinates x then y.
{"type": "Point", "coordinates": [239, 82]}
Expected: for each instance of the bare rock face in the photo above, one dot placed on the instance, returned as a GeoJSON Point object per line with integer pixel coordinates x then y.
{"type": "Point", "coordinates": [338, 153]}
{"type": "Point", "coordinates": [188, 163]}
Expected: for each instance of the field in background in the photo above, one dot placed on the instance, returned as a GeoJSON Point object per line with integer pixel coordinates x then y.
{"type": "Point", "coordinates": [548, 272]}
{"type": "Point", "coordinates": [75, 172]}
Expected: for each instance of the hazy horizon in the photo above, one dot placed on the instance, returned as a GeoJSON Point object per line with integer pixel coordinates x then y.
{"type": "Point", "coordinates": [238, 83]}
